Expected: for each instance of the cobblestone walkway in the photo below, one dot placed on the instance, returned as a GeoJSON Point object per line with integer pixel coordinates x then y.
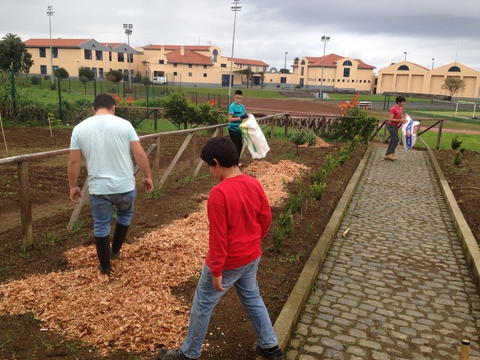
{"type": "Point", "coordinates": [397, 285]}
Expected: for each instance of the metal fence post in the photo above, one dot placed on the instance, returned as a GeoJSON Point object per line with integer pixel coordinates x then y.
{"type": "Point", "coordinates": [60, 98]}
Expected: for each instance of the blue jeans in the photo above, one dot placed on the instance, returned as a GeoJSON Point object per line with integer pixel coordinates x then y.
{"type": "Point", "coordinates": [206, 297]}
{"type": "Point", "coordinates": [393, 130]}
{"type": "Point", "coordinates": [102, 211]}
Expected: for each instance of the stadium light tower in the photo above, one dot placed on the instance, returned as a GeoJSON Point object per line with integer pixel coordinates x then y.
{"type": "Point", "coordinates": [324, 39]}
{"type": "Point", "coordinates": [405, 55]}
{"type": "Point", "coordinates": [236, 6]}
{"type": "Point", "coordinates": [285, 65]}
{"type": "Point", "coordinates": [128, 31]}
{"type": "Point", "coordinates": [50, 13]}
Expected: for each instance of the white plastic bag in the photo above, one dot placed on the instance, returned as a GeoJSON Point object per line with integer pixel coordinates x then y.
{"type": "Point", "coordinates": [254, 138]}
{"type": "Point", "coordinates": [409, 132]}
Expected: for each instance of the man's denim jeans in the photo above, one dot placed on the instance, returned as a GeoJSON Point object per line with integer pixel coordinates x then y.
{"type": "Point", "coordinates": [102, 210]}
{"type": "Point", "coordinates": [206, 297]}
{"type": "Point", "coordinates": [393, 130]}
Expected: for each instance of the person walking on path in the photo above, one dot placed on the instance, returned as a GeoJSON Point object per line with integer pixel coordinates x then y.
{"type": "Point", "coordinates": [236, 113]}
{"type": "Point", "coordinates": [392, 126]}
{"type": "Point", "coordinates": [105, 140]}
{"type": "Point", "coordinates": [239, 216]}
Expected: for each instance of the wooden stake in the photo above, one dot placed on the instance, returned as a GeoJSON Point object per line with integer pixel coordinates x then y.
{"type": "Point", "coordinates": [465, 350]}
{"type": "Point", "coordinates": [3, 133]}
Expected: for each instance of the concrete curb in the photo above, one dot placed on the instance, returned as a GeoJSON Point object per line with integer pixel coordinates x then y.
{"type": "Point", "coordinates": [291, 310]}
{"type": "Point", "coordinates": [465, 235]}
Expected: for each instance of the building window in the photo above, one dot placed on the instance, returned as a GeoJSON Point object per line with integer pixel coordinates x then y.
{"type": "Point", "coordinates": [204, 74]}
{"type": "Point", "coordinates": [110, 56]}
{"type": "Point", "coordinates": [204, 66]}
{"type": "Point", "coordinates": [346, 72]}
{"type": "Point", "coordinates": [54, 68]}
{"type": "Point", "coordinates": [403, 68]}
{"type": "Point", "coordinates": [303, 62]}
{"type": "Point", "coordinates": [343, 80]}
{"type": "Point", "coordinates": [100, 72]}
{"type": "Point", "coordinates": [264, 69]}
{"type": "Point", "coordinates": [369, 81]}
{"type": "Point", "coordinates": [249, 67]}
{"type": "Point", "coordinates": [94, 72]}
{"type": "Point", "coordinates": [190, 74]}
{"type": "Point", "coordinates": [302, 71]}
{"type": "Point", "coordinates": [283, 80]}
{"type": "Point", "coordinates": [174, 65]}
{"type": "Point", "coordinates": [55, 52]}
{"type": "Point", "coordinates": [88, 54]}
{"type": "Point", "coordinates": [130, 58]}
{"type": "Point", "coordinates": [223, 65]}
{"type": "Point", "coordinates": [190, 66]}
{"type": "Point", "coordinates": [328, 80]}
{"type": "Point", "coordinates": [43, 69]}
{"type": "Point", "coordinates": [215, 54]}
{"type": "Point", "coordinates": [161, 62]}
{"type": "Point", "coordinates": [454, 69]}
{"type": "Point", "coordinates": [120, 57]}
{"type": "Point", "coordinates": [43, 53]}
{"type": "Point", "coordinates": [98, 55]}
{"type": "Point", "coordinates": [347, 63]}
{"type": "Point", "coordinates": [174, 73]}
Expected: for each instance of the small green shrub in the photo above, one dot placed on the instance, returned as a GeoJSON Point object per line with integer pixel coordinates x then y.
{"type": "Point", "coordinates": [298, 138]}
{"type": "Point", "coordinates": [35, 80]}
{"type": "Point", "coordinates": [456, 143]}
{"type": "Point", "coordinates": [285, 221]}
{"type": "Point", "coordinates": [278, 237]}
{"type": "Point", "coordinates": [316, 190]}
{"type": "Point", "coordinates": [62, 73]}
{"type": "Point", "coordinates": [457, 159]}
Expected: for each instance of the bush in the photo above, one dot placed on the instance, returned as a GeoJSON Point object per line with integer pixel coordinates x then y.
{"type": "Point", "coordinates": [146, 81]}
{"type": "Point", "coordinates": [86, 72]}
{"type": "Point", "coordinates": [456, 143]}
{"type": "Point", "coordinates": [298, 138]}
{"type": "Point", "coordinates": [62, 73]}
{"type": "Point", "coordinates": [35, 80]}
{"type": "Point", "coordinates": [457, 159]}
{"type": "Point", "coordinates": [114, 76]}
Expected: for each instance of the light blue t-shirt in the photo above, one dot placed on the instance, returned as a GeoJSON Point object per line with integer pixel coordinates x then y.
{"type": "Point", "coordinates": [104, 141]}
{"type": "Point", "coordinates": [236, 110]}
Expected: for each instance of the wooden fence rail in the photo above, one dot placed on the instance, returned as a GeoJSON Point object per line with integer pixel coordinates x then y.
{"type": "Point", "coordinates": [316, 122]}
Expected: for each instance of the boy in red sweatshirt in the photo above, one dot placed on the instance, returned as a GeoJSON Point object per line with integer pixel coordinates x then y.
{"type": "Point", "coordinates": [239, 216]}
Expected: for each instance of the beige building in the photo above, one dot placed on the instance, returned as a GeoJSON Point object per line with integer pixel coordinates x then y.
{"type": "Point", "coordinates": [71, 54]}
{"type": "Point", "coordinates": [407, 77]}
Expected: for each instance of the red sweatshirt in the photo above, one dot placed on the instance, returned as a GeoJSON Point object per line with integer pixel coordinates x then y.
{"type": "Point", "coordinates": [239, 216]}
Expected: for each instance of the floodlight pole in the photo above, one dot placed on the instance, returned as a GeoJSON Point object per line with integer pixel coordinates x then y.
{"type": "Point", "coordinates": [128, 31]}
{"type": "Point", "coordinates": [50, 13]}
{"type": "Point", "coordinates": [324, 39]}
{"type": "Point", "coordinates": [285, 65]}
{"type": "Point", "coordinates": [236, 6]}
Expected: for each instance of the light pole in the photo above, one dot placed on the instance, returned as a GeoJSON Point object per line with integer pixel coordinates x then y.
{"type": "Point", "coordinates": [433, 62]}
{"type": "Point", "coordinates": [50, 13]}
{"type": "Point", "coordinates": [128, 30]}
{"type": "Point", "coordinates": [324, 39]}
{"type": "Point", "coordinates": [405, 56]}
{"type": "Point", "coordinates": [285, 65]}
{"type": "Point", "coordinates": [236, 6]}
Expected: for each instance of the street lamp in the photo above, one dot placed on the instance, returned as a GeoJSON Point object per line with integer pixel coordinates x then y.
{"type": "Point", "coordinates": [128, 31]}
{"type": "Point", "coordinates": [285, 66]}
{"type": "Point", "coordinates": [236, 6]}
{"type": "Point", "coordinates": [324, 39]}
{"type": "Point", "coordinates": [433, 62]}
{"type": "Point", "coordinates": [405, 55]}
{"type": "Point", "coordinates": [50, 13]}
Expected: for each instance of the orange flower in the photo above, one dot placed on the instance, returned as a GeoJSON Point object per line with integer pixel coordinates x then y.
{"type": "Point", "coordinates": [120, 100]}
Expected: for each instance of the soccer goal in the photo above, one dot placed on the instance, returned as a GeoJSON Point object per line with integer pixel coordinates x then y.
{"type": "Point", "coordinates": [463, 107]}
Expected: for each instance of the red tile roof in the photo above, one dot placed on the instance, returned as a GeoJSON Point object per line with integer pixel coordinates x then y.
{"type": "Point", "coordinates": [248, 62]}
{"type": "Point", "coordinates": [189, 57]}
{"type": "Point", "coordinates": [59, 43]}
{"type": "Point", "coordinates": [176, 47]}
{"type": "Point", "coordinates": [331, 61]}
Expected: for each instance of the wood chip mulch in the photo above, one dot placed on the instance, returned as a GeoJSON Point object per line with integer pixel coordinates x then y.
{"type": "Point", "coordinates": [133, 309]}
{"type": "Point", "coordinates": [320, 144]}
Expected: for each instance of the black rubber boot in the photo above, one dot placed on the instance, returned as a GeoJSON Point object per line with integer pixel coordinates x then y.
{"type": "Point", "coordinates": [119, 237]}
{"type": "Point", "coordinates": [103, 252]}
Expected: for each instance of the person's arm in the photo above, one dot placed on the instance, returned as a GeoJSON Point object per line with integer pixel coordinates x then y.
{"type": "Point", "coordinates": [142, 161]}
{"type": "Point", "coordinates": [231, 118]}
{"type": "Point", "coordinates": [73, 168]}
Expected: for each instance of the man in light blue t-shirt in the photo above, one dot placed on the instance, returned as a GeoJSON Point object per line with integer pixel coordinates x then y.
{"type": "Point", "coordinates": [236, 113]}
{"type": "Point", "coordinates": [105, 140]}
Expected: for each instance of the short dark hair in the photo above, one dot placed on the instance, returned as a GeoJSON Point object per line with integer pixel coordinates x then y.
{"type": "Point", "coordinates": [103, 101]}
{"type": "Point", "coordinates": [238, 92]}
{"type": "Point", "coordinates": [222, 149]}
{"type": "Point", "coordinates": [400, 99]}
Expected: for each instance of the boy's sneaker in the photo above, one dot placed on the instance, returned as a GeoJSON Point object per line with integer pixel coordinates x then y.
{"type": "Point", "coordinates": [274, 353]}
{"type": "Point", "coordinates": [175, 354]}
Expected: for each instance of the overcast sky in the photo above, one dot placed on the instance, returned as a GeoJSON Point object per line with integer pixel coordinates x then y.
{"type": "Point", "coordinates": [375, 31]}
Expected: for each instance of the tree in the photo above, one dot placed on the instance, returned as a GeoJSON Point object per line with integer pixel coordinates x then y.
{"type": "Point", "coordinates": [296, 60]}
{"type": "Point", "coordinates": [114, 76]}
{"type": "Point", "coordinates": [62, 73]}
{"type": "Point", "coordinates": [13, 53]}
{"type": "Point", "coordinates": [453, 84]}
{"type": "Point", "coordinates": [262, 78]}
{"type": "Point", "coordinates": [86, 72]}
{"type": "Point", "coordinates": [247, 72]}
{"type": "Point", "coordinates": [284, 71]}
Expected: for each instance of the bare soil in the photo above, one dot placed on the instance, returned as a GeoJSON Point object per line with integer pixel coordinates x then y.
{"type": "Point", "coordinates": [230, 334]}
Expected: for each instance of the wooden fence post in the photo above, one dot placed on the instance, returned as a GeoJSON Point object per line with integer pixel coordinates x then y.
{"type": "Point", "coordinates": [439, 135]}
{"type": "Point", "coordinates": [156, 163]}
{"type": "Point", "coordinates": [155, 119]}
{"type": "Point", "coordinates": [287, 120]}
{"type": "Point", "coordinates": [25, 206]}
{"type": "Point", "coordinates": [193, 158]}
{"type": "Point", "coordinates": [78, 207]}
